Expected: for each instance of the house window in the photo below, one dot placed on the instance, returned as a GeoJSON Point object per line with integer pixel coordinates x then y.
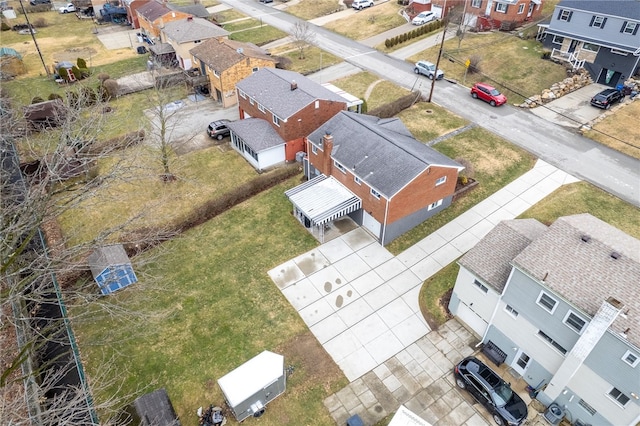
{"type": "Point", "coordinates": [521, 9]}
{"type": "Point", "coordinates": [434, 205]}
{"type": "Point", "coordinates": [547, 302]}
{"type": "Point", "coordinates": [501, 7]}
{"type": "Point", "coordinates": [589, 409]}
{"type": "Point", "coordinates": [357, 180]}
{"type": "Point", "coordinates": [552, 342]}
{"type": "Point", "coordinates": [252, 101]}
{"type": "Point", "coordinates": [317, 104]}
{"type": "Point", "coordinates": [565, 15]}
{"type": "Point", "coordinates": [314, 149]}
{"type": "Point", "coordinates": [619, 52]}
{"type": "Point", "coordinates": [340, 167]}
{"type": "Point", "coordinates": [441, 180]}
{"type": "Point", "coordinates": [558, 39]}
{"type": "Point", "coordinates": [242, 94]}
{"type": "Point", "coordinates": [375, 193]}
{"type": "Point", "coordinates": [260, 107]}
{"type": "Point", "coordinates": [251, 152]}
{"type": "Point", "coordinates": [590, 47]}
{"type": "Point", "coordinates": [629, 28]}
{"type": "Point", "coordinates": [631, 358]}
{"type": "Point", "coordinates": [476, 3]}
{"type": "Point", "coordinates": [276, 120]}
{"type": "Point", "coordinates": [618, 396]}
{"type": "Point", "coordinates": [483, 288]}
{"type": "Point", "coordinates": [255, 69]}
{"type": "Point", "coordinates": [511, 311]}
{"type": "Point", "coordinates": [598, 21]}
{"type": "Point", "coordinates": [574, 322]}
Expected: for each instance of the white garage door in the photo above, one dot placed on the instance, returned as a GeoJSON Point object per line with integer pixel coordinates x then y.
{"type": "Point", "coordinates": [473, 320]}
{"type": "Point", "coordinates": [371, 224]}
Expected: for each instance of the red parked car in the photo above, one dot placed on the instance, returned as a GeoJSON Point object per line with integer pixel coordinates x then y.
{"type": "Point", "coordinates": [488, 94]}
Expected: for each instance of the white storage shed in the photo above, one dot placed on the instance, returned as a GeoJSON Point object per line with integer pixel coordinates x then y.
{"type": "Point", "coordinates": [250, 387]}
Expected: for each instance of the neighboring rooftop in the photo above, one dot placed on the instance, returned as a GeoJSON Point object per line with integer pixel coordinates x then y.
{"type": "Point", "coordinates": [621, 8]}
{"type": "Point", "coordinates": [380, 151]}
{"type": "Point", "coordinates": [153, 10]}
{"type": "Point", "coordinates": [222, 54]}
{"type": "Point", "coordinates": [193, 29]}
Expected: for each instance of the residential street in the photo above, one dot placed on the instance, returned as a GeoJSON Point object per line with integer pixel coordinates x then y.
{"type": "Point", "coordinates": [610, 170]}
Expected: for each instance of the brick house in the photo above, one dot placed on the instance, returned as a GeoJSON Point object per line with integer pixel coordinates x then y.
{"type": "Point", "coordinates": [491, 14]}
{"type": "Point", "coordinates": [560, 305]}
{"type": "Point", "coordinates": [153, 15]}
{"type": "Point", "coordinates": [226, 62]}
{"type": "Point", "coordinates": [195, 10]}
{"type": "Point", "coordinates": [185, 34]}
{"type": "Point", "coordinates": [278, 109]}
{"type": "Point", "coordinates": [376, 172]}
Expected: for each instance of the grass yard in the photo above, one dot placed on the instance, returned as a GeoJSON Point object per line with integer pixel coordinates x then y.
{"type": "Point", "coordinates": [617, 131]}
{"type": "Point", "coordinates": [380, 91]}
{"type": "Point", "coordinates": [428, 121]}
{"type": "Point", "coordinates": [310, 9]}
{"type": "Point", "coordinates": [369, 22]}
{"type": "Point", "coordinates": [258, 35]}
{"type": "Point", "coordinates": [576, 198]}
{"type": "Point", "coordinates": [496, 163]}
{"type": "Point", "coordinates": [224, 309]}
{"type": "Point", "coordinates": [314, 60]}
{"type": "Point", "coordinates": [508, 62]}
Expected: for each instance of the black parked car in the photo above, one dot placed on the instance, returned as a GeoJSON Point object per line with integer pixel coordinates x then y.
{"type": "Point", "coordinates": [506, 407]}
{"type": "Point", "coordinates": [606, 98]}
{"type": "Point", "coordinates": [218, 129]}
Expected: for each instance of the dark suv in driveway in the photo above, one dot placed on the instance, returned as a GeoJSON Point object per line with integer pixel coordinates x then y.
{"type": "Point", "coordinates": [218, 129]}
{"type": "Point", "coordinates": [606, 98]}
{"type": "Point", "coordinates": [506, 407]}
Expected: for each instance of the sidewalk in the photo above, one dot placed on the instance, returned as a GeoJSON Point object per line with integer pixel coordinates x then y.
{"type": "Point", "coordinates": [361, 302]}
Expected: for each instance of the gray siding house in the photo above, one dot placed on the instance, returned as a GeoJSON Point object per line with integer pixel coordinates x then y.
{"type": "Point", "coordinates": [601, 36]}
{"type": "Point", "coordinates": [561, 306]}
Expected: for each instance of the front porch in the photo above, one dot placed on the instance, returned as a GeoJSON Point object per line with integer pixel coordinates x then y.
{"type": "Point", "coordinates": [566, 56]}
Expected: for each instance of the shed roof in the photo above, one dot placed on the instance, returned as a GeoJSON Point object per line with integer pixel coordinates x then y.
{"type": "Point", "coordinates": [192, 29]}
{"type": "Point", "coordinates": [380, 151]}
{"type": "Point", "coordinates": [155, 409]}
{"type": "Point", "coordinates": [103, 257]}
{"type": "Point", "coordinates": [222, 54]}
{"type": "Point", "coordinates": [257, 133]}
{"type": "Point", "coordinates": [251, 377]}
{"type": "Point", "coordinates": [273, 88]}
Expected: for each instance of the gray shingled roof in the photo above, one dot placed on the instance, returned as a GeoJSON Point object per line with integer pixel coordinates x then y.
{"type": "Point", "coordinates": [153, 10]}
{"type": "Point", "coordinates": [272, 88]}
{"type": "Point", "coordinates": [381, 152]}
{"type": "Point", "coordinates": [628, 9]}
{"type": "Point", "coordinates": [490, 259]}
{"type": "Point", "coordinates": [192, 9]}
{"type": "Point", "coordinates": [585, 273]}
{"type": "Point", "coordinates": [192, 29]}
{"type": "Point", "coordinates": [220, 54]}
{"type": "Point", "coordinates": [106, 256]}
{"type": "Point", "coordinates": [257, 133]}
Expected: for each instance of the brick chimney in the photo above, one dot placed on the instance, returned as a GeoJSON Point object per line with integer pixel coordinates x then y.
{"type": "Point", "coordinates": [327, 147]}
{"type": "Point", "coordinates": [294, 85]}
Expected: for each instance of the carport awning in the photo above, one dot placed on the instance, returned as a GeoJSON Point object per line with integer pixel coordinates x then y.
{"type": "Point", "coordinates": [323, 199]}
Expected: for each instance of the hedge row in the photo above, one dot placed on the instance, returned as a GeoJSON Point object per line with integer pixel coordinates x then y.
{"type": "Point", "coordinates": [417, 32]}
{"type": "Point", "coordinates": [394, 108]}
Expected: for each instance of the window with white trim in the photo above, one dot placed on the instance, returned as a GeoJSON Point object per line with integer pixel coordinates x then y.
{"type": "Point", "coordinates": [565, 15]}
{"type": "Point", "coordinates": [441, 180]}
{"type": "Point", "coordinates": [434, 205]}
{"type": "Point", "coordinates": [251, 101]}
{"type": "Point", "coordinates": [619, 52]}
{"type": "Point", "coordinates": [276, 120]}
{"type": "Point", "coordinates": [260, 107]}
{"type": "Point", "coordinates": [521, 9]}
{"type": "Point", "coordinates": [255, 69]}
{"type": "Point", "coordinates": [511, 311]}
{"type": "Point", "coordinates": [357, 180]}
{"type": "Point", "coordinates": [631, 358]}
{"type": "Point", "coordinates": [552, 342]}
{"type": "Point", "coordinates": [340, 167]}
{"type": "Point", "coordinates": [589, 409]}
{"type": "Point", "coordinates": [216, 73]}
{"type": "Point", "coordinates": [590, 47]}
{"type": "Point", "coordinates": [483, 288]}
{"type": "Point", "coordinates": [476, 3]}
{"type": "Point", "coordinates": [501, 7]}
{"type": "Point", "coordinates": [317, 104]}
{"type": "Point", "coordinates": [547, 302]}
{"type": "Point", "coordinates": [242, 94]}
{"type": "Point", "coordinates": [558, 39]}
{"type": "Point", "coordinates": [314, 149]}
{"type": "Point", "coordinates": [574, 322]}
{"type": "Point", "coordinates": [598, 21]}
{"type": "Point", "coordinates": [630, 28]}
{"type": "Point", "coordinates": [375, 193]}
{"type": "Point", "coordinates": [617, 395]}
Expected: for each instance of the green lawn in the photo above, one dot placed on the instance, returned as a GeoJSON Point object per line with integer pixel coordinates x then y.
{"type": "Point", "coordinates": [208, 305]}
{"type": "Point", "coordinates": [314, 59]}
{"type": "Point", "coordinates": [382, 93]}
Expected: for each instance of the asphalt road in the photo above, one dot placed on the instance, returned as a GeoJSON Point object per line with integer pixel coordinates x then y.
{"type": "Point", "coordinates": [608, 169]}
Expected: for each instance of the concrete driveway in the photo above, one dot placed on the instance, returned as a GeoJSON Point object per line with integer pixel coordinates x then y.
{"type": "Point", "coordinates": [572, 110]}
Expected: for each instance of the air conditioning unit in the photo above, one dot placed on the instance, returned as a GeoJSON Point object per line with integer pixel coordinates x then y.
{"type": "Point", "coordinates": [554, 414]}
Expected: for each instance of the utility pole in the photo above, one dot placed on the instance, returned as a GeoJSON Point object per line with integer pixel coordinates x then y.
{"type": "Point", "coordinates": [33, 36]}
{"type": "Point", "coordinates": [444, 31]}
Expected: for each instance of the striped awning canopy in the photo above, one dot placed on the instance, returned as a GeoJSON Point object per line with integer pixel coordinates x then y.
{"type": "Point", "coordinates": [323, 199]}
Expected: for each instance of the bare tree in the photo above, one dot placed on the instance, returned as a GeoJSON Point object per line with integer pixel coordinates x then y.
{"type": "Point", "coordinates": [303, 36]}
{"type": "Point", "coordinates": [65, 165]}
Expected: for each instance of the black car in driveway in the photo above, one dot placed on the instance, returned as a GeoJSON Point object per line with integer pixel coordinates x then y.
{"type": "Point", "coordinates": [606, 98]}
{"type": "Point", "coordinates": [506, 407]}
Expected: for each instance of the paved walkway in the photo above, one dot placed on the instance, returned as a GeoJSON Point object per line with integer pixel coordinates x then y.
{"type": "Point", "coordinates": [361, 302]}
